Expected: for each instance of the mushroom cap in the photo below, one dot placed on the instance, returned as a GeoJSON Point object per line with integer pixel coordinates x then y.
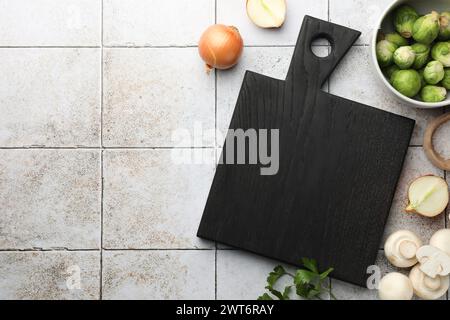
{"type": "Point", "coordinates": [426, 287]}
{"type": "Point", "coordinates": [401, 247]}
{"type": "Point", "coordinates": [433, 261]}
{"type": "Point", "coordinates": [395, 286]}
{"type": "Point", "coordinates": [441, 240]}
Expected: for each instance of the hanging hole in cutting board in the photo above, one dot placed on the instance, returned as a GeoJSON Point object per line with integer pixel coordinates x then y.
{"type": "Point", "coordinates": [321, 47]}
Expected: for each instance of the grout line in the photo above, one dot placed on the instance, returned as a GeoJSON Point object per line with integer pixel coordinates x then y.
{"type": "Point", "coordinates": [132, 148]}
{"type": "Point", "coordinates": [158, 249]}
{"type": "Point", "coordinates": [150, 46]}
{"type": "Point", "coordinates": [215, 272]}
{"type": "Point", "coordinates": [50, 47]}
{"type": "Point", "coordinates": [49, 148]}
{"type": "Point", "coordinates": [100, 148]}
{"type": "Point", "coordinates": [215, 153]}
{"type": "Point", "coordinates": [101, 222]}
{"type": "Point", "coordinates": [49, 250]}
{"type": "Point", "coordinates": [328, 12]}
{"type": "Point", "coordinates": [163, 47]}
{"type": "Point", "coordinates": [101, 157]}
{"type": "Point", "coordinates": [105, 249]}
{"type": "Point", "coordinates": [215, 108]}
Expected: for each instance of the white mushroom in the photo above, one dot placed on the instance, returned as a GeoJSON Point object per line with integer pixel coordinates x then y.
{"type": "Point", "coordinates": [428, 196]}
{"type": "Point", "coordinates": [433, 261]}
{"type": "Point", "coordinates": [395, 286]}
{"type": "Point", "coordinates": [441, 240]}
{"type": "Point", "coordinates": [400, 248]}
{"type": "Point", "coordinates": [426, 287]}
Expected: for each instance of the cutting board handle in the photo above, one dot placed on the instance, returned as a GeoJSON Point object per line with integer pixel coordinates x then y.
{"type": "Point", "coordinates": [305, 65]}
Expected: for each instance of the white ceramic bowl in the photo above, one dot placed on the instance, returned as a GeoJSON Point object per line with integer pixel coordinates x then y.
{"type": "Point", "coordinates": [385, 23]}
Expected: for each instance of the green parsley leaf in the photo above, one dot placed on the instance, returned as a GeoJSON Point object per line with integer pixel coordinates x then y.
{"type": "Point", "coordinates": [276, 274]}
{"type": "Point", "coordinates": [309, 283]}
{"type": "Point", "coordinates": [310, 264]}
{"type": "Point", "coordinates": [265, 296]}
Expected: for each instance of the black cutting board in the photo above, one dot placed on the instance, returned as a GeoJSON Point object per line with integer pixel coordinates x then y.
{"type": "Point", "coordinates": [339, 163]}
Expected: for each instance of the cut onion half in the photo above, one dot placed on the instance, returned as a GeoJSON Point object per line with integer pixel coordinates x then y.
{"type": "Point", "coordinates": [428, 196]}
{"type": "Point", "coordinates": [267, 13]}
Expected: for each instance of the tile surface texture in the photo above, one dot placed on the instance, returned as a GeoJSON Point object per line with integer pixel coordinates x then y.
{"type": "Point", "coordinates": [151, 94]}
{"type": "Point", "coordinates": [50, 22]}
{"type": "Point", "coordinates": [158, 275]}
{"type": "Point", "coordinates": [155, 22]}
{"type": "Point", "coordinates": [49, 199]}
{"type": "Point", "coordinates": [50, 275]}
{"type": "Point", "coordinates": [151, 202]}
{"type": "Point", "coordinates": [50, 97]}
{"type": "Point", "coordinates": [103, 102]}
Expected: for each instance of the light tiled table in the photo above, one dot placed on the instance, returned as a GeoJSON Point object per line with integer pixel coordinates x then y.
{"type": "Point", "coordinates": [90, 94]}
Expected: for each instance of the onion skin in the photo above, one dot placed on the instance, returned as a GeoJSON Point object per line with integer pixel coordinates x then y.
{"type": "Point", "coordinates": [220, 46]}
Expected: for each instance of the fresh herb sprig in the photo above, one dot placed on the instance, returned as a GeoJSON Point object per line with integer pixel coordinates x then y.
{"type": "Point", "coordinates": [308, 282]}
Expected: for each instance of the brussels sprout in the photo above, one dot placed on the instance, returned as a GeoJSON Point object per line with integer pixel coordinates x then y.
{"type": "Point", "coordinates": [385, 53]}
{"type": "Point", "coordinates": [424, 83]}
{"type": "Point", "coordinates": [426, 28]}
{"type": "Point", "coordinates": [407, 82]}
{"type": "Point", "coordinates": [396, 39]}
{"type": "Point", "coordinates": [446, 81]}
{"type": "Point", "coordinates": [389, 71]}
{"type": "Point", "coordinates": [404, 20]}
{"type": "Point", "coordinates": [404, 57]}
{"type": "Point", "coordinates": [434, 72]}
{"type": "Point", "coordinates": [444, 20]}
{"type": "Point", "coordinates": [422, 55]}
{"type": "Point", "coordinates": [433, 94]}
{"type": "Point", "coordinates": [441, 53]}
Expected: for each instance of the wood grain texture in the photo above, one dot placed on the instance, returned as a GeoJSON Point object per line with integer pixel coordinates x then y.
{"type": "Point", "coordinates": [339, 165]}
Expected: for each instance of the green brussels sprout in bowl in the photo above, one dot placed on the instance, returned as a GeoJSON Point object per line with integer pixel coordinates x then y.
{"type": "Point", "coordinates": [434, 72]}
{"type": "Point", "coordinates": [396, 39]}
{"type": "Point", "coordinates": [433, 93]}
{"type": "Point", "coordinates": [441, 52]}
{"type": "Point", "coordinates": [418, 71]}
{"type": "Point", "coordinates": [385, 53]}
{"type": "Point", "coordinates": [444, 21]}
{"type": "Point", "coordinates": [422, 52]}
{"type": "Point", "coordinates": [446, 81]}
{"type": "Point", "coordinates": [405, 17]}
{"type": "Point", "coordinates": [404, 57]}
{"type": "Point", "coordinates": [426, 28]}
{"type": "Point", "coordinates": [407, 82]}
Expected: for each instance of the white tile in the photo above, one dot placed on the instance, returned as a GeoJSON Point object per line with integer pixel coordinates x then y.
{"type": "Point", "coordinates": [355, 79]}
{"type": "Point", "coordinates": [273, 62]}
{"type": "Point", "coordinates": [416, 165]}
{"type": "Point", "coordinates": [242, 275]}
{"type": "Point", "coordinates": [361, 15]}
{"type": "Point", "coordinates": [50, 23]}
{"type": "Point", "coordinates": [152, 94]}
{"type": "Point", "coordinates": [158, 275]}
{"type": "Point", "coordinates": [50, 97]}
{"type": "Point", "coordinates": [56, 275]}
{"type": "Point", "coordinates": [150, 201]}
{"type": "Point", "coordinates": [49, 199]}
{"type": "Point", "coordinates": [156, 22]}
{"type": "Point", "coordinates": [233, 12]}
